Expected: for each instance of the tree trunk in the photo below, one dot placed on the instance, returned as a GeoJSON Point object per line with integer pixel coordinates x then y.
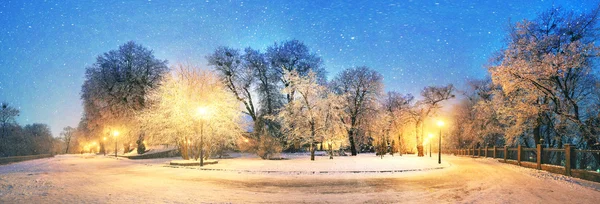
{"type": "Point", "coordinates": [537, 130]}
{"type": "Point", "coordinates": [69, 141]}
{"type": "Point", "coordinates": [418, 128]}
{"type": "Point", "coordinates": [352, 144]}
{"type": "Point", "coordinates": [330, 152]}
{"type": "Point", "coordinates": [400, 143]}
{"type": "Point", "coordinates": [312, 151]}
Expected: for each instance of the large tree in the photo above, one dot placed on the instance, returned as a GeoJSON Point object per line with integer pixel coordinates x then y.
{"type": "Point", "coordinates": [116, 87]}
{"type": "Point", "coordinates": [361, 87]}
{"type": "Point", "coordinates": [547, 67]}
{"type": "Point", "coordinates": [67, 136]}
{"type": "Point", "coordinates": [396, 107]}
{"type": "Point", "coordinates": [313, 115]}
{"type": "Point", "coordinates": [195, 110]}
{"type": "Point", "coordinates": [295, 56]}
{"type": "Point", "coordinates": [237, 75]}
{"type": "Point", "coordinates": [432, 97]}
{"type": "Point", "coordinates": [267, 78]}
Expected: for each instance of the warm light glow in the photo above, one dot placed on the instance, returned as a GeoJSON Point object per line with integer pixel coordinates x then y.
{"type": "Point", "coordinates": [430, 135]}
{"type": "Point", "coordinates": [93, 143]}
{"type": "Point", "coordinates": [246, 140]}
{"type": "Point", "coordinates": [116, 133]}
{"type": "Point", "coordinates": [202, 112]}
{"type": "Point", "coordinates": [104, 138]}
{"type": "Point", "coordinates": [440, 123]}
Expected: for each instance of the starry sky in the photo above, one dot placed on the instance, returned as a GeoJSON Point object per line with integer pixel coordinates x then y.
{"type": "Point", "coordinates": [46, 45]}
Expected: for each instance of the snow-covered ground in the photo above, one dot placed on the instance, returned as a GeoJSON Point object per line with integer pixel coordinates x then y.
{"type": "Point", "coordinates": [301, 164]}
{"type": "Point", "coordinates": [99, 179]}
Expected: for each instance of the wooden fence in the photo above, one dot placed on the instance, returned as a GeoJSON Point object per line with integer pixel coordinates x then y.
{"type": "Point", "coordinates": [569, 161]}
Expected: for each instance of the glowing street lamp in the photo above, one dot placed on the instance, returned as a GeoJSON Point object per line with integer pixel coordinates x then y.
{"type": "Point", "coordinates": [202, 113]}
{"type": "Point", "coordinates": [115, 134]}
{"type": "Point", "coordinates": [440, 124]}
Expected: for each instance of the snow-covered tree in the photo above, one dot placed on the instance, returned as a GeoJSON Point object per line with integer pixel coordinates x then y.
{"type": "Point", "coordinates": [295, 56]}
{"type": "Point", "coordinates": [116, 87]}
{"type": "Point", "coordinates": [194, 110]}
{"type": "Point", "coordinates": [360, 87]}
{"type": "Point", "coordinates": [267, 78]}
{"type": "Point", "coordinates": [237, 75]}
{"type": "Point", "coordinates": [547, 67]}
{"type": "Point", "coordinates": [396, 106]}
{"type": "Point", "coordinates": [313, 114]}
{"type": "Point", "coordinates": [433, 96]}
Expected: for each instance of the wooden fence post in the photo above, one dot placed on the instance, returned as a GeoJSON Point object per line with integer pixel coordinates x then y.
{"type": "Point", "coordinates": [486, 151]}
{"type": "Point", "coordinates": [473, 150]}
{"type": "Point", "coordinates": [519, 155]}
{"type": "Point", "coordinates": [568, 159]}
{"type": "Point", "coordinates": [479, 152]}
{"type": "Point", "coordinates": [539, 157]}
{"type": "Point", "coordinates": [495, 149]}
{"type": "Point", "coordinates": [505, 152]}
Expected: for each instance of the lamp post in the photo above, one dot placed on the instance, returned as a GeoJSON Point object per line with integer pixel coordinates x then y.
{"type": "Point", "coordinates": [115, 134]}
{"type": "Point", "coordinates": [440, 124]}
{"type": "Point", "coordinates": [202, 114]}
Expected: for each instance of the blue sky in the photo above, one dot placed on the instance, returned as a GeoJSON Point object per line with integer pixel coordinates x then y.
{"type": "Point", "coordinates": [46, 45]}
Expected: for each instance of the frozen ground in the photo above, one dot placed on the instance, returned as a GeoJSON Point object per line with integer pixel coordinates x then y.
{"type": "Point", "coordinates": [98, 179]}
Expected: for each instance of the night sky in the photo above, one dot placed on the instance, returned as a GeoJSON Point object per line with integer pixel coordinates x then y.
{"type": "Point", "coordinates": [46, 45]}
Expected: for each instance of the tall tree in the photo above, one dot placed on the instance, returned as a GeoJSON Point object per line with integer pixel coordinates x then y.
{"type": "Point", "coordinates": [195, 110]}
{"type": "Point", "coordinates": [433, 96]}
{"type": "Point", "coordinates": [116, 86]}
{"type": "Point", "coordinates": [548, 67]}
{"type": "Point", "coordinates": [67, 136]}
{"type": "Point", "coordinates": [313, 116]}
{"type": "Point", "coordinates": [397, 106]}
{"type": "Point", "coordinates": [237, 75]}
{"type": "Point", "coordinates": [267, 81]}
{"type": "Point", "coordinates": [361, 86]}
{"type": "Point", "coordinates": [294, 56]}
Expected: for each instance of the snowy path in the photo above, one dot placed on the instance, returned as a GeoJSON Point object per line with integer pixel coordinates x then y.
{"type": "Point", "coordinates": [76, 179]}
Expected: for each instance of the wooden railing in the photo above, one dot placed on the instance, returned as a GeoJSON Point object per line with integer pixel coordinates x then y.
{"type": "Point", "coordinates": [569, 161]}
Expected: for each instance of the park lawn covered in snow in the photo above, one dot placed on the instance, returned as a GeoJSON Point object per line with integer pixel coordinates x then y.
{"type": "Point", "coordinates": [99, 179]}
{"type": "Point", "coordinates": [301, 163]}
